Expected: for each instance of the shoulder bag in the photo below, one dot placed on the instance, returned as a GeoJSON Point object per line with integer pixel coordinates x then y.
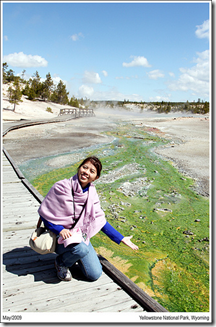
{"type": "Point", "coordinates": [42, 240]}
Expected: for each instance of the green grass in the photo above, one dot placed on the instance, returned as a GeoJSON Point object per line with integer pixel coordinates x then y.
{"type": "Point", "coordinates": [170, 266]}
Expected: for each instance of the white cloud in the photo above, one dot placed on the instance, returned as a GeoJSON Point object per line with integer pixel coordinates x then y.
{"type": "Point", "coordinates": [91, 77]}
{"type": "Point", "coordinates": [5, 38]}
{"type": "Point", "coordinates": [57, 79]}
{"type": "Point", "coordinates": [137, 61]}
{"type": "Point", "coordinates": [203, 30]}
{"type": "Point", "coordinates": [24, 61]}
{"type": "Point", "coordinates": [104, 73]}
{"type": "Point", "coordinates": [195, 78]}
{"type": "Point", "coordinates": [86, 91]}
{"type": "Point", "coordinates": [155, 74]}
{"type": "Point", "coordinates": [171, 74]}
{"type": "Point", "coordinates": [76, 37]}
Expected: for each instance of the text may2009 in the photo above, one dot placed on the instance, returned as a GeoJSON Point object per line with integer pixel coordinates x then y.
{"type": "Point", "coordinates": [13, 317]}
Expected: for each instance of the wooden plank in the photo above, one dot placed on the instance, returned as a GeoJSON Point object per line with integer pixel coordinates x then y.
{"type": "Point", "coordinates": [27, 221]}
{"type": "Point", "coordinates": [47, 281]}
{"type": "Point", "coordinates": [26, 207]}
{"type": "Point", "coordinates": [75, 302]}
{"type": "Point", "coordinates": [19, 187]}
{"type": "Point", "coordinates": [75, 292]}
{"type": "Point", "coordinates": [14, 206]}
{"type": "Point", "coordinates": [105, 300]}
{"type": "Point", "coordinates": [26, 203]}
{"type": "Point", "coordinates": [8, 228]}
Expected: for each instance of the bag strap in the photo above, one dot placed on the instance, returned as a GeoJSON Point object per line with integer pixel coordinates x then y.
{"type": "Point", "coordinates": [39, 222]}
{"type": "Point", "coordinates": [76, 220]}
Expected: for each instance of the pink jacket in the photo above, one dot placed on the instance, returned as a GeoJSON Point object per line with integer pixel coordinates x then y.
{"type": "Point", "coordinates": [57, 207]}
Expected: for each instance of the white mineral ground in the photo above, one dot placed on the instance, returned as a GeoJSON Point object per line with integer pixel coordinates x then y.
{"type": "Point", "coordinates": [190, 135]}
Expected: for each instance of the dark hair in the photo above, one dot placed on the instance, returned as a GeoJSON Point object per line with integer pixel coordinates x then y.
{"type": "Point", "coordinates": [95, 161]}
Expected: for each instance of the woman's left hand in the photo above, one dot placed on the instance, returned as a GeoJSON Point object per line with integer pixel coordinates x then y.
{"type": "Point", "coordinates": [127, 241]}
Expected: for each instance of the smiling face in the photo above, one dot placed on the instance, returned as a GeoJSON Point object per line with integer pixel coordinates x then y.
{"type": "Point", "coordinates": [87, 173]}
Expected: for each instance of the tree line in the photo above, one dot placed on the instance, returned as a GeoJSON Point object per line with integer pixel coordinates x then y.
{"type": "Point", "coordinates": [196, 107]}
{"type": "Point", "coordinates": [35, 89]}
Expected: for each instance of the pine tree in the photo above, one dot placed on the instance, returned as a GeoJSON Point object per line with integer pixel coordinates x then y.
{"type": "Point", "coordinates": [206, 107]}
{"type": "Point", "coordinates": [15, 94]}
{"type": "Point", "coordinates": [22, 76]}
{"type": "Point", "coordinates": [62, 94]}
{"type": "Point", "coordinates": [10, 76]}
{"type": "Point", "coordinates": [74, 102]}
{"type": "Point", "coordinates": [34, 88]}
{"type": "Point", "coordinates": [4, 68]}
{"type": "Point", "coordinates": [47, 87]}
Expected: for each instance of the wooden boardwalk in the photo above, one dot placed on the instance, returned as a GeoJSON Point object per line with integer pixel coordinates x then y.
{"type": "Point", "coordinates": [29, 279]}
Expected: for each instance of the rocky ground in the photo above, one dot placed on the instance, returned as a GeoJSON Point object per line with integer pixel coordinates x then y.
{"type": "Point", "coordinates": [190, 135]}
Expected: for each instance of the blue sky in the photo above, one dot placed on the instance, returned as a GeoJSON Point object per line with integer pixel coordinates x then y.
{"type": "Point", "coordinates": [138, 51]}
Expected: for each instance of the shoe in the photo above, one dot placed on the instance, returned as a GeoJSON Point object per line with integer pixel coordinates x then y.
{"type": "Point", "coordinates": [63, 272]}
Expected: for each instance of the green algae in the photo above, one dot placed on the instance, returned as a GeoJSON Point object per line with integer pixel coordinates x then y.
{"type": "Point", "coordinates": [171, 265]}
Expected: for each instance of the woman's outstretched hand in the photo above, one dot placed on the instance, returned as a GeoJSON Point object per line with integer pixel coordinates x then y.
{"type": "Point", "coordinates": [127, 241]}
